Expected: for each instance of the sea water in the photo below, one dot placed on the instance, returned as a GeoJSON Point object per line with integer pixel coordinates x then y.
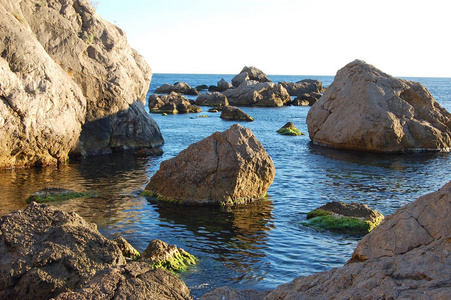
{"type": "Point", "coordinates": [257, 246]}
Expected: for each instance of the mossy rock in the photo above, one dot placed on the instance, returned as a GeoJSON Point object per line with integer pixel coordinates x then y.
{"type": "Point", "coordinates": [289, 129]}
{"type": "Point", "coordinates": [353, 218]}
{"type": "Point", "coordinates": [178, 263]}
{"type": "Point", "coordinates": [55, 194]}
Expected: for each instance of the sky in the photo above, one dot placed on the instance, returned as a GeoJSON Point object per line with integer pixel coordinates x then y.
{"type": "Point", "coordinates": [287, 37]}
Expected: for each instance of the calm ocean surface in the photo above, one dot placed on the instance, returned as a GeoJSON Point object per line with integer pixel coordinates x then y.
{"type": "Point", "coordinates": [258, 246]}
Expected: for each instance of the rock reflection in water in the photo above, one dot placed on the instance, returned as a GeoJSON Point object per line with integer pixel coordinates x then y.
{"type": "Point", "coordinates": [235, 236]}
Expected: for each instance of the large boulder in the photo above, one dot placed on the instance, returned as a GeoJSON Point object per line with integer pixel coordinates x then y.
{"type": "Point", "coordinates": [302, 87]}
{"type": "Point", "coordinates": [45, 252]}
{"type": "Point", "coordinates": [70, 84]}
{"type": "Point", "coordinates": [366, 109]}
{"type": "Point", "coordinates": [254, 93]}
{"type": "Point", "coordinates": [178, 87]}
{"type": "Point", "coordinates": [173, 103]}
{"type": "Point", "coordinates": [250, 73]}
{"type": "Point", "coordinates": [408, 256]}
{"type": "Point", "coordinates": [215, 99]}
{"type": "Point", "coordinates": [224, 85]}
{"type": "Point", "coordinates": [42, 109]}
{"type": "Point", "coordinates": [226, 168]}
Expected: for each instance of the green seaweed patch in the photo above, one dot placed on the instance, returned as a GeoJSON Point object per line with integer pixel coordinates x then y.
{"type": "Point", "coordinates": [56, 197]}
{"type": "Point", "coordinates": [178, 263]}
{"type": "Point", "coordinates": [289, 131]}
{"type": "Point", "coordinates": [347, 225]}
{"type": "Point", "coordinates": [147, 193]}
{"type": "Point", "coordinates": [318, 213]}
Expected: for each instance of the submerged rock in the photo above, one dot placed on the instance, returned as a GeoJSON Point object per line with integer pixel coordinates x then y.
{"type": "Point", "coordinates": [232, 113]}
{"type": "Point", "coordinates": [366, 109]}
{"type": "Point", "coordinates": [254, 93]}
{"type": "Point", "coordinates": [353, 218]}
{"type": "Point", "coordinates": [289, 129]}
{"type": "Point", "coordinates": [47, 253]}
{"type": "Point", "coordinates": [226, 168]}
{"type": "Point", "coordinates": [178, 87]}
{"type": "Point", "coordinates": [54, 194]}
{"type": "Point", "coordinates": [169, 257]}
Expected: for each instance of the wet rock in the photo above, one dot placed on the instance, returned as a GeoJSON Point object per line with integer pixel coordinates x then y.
{"type": "Point", "coordinates": [230, 293]}
{"type": "Point", "coordinates": [224, 85]}
{"type": "Point", "coordinates": [201, 87]}
{"type": "Point", "coordinates": [289, 129]}
{"type": "Point", "coordinates": [353, 218]}
{"type": "Point", "coordinates": [305, 86]}
{"type": "Point", "coordinates": [169, 257]}
{"type": "Point", "coordinates": [307, 99]}
{"type": "Point", "coordinates": [54, 194]}
{"type": "Point", "coordinates": [173, 103]}
{"type": "Point", "coordinates": [232, 113]}
{"type": "Point", "coordinates": [47, 253]}
{"type": "Point", "coordinates": [136, 280]}
{"type": "Point", "coordinates": [366, 109]}
{"type": "Point", "coordinates": [212, 99]}
{"type": "Point", "coordinates": [226, 168]}
{"type": "Point", "coordinates": [254, 93]}
{"type": "Point", "coordinates": [178, 87]}
{"type": "Point", "coordinates": [127, 250]}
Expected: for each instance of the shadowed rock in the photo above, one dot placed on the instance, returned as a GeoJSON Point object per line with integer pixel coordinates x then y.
{"type": "Point", "coordinates": [226, 168]}
{"type": "Point", "coordinates": [232, 113]}
{"type": "Point", "coordinates": [366, 109]}
{"type": "Point", "coordinates": [179, 87]}
{"type": "Point", "coordinates": [254, 93]}
{"type": "Point", "coordinates": [215, 99]}
{"type": "Point", "coordinates": [173, 103]}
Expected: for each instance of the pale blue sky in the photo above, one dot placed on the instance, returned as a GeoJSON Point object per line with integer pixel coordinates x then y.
{"type": "Point", "coordinates": [299, 37]}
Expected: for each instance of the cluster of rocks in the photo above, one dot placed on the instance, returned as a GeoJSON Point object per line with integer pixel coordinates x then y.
{"type": "Point", "coordinates": [71, 85]}
{"type": "Point", "coordinates": [251, 87]}
{"type": "Point", "coordinates": [173, 103]}
{"type": "Point", "coordinates": [47, 253]}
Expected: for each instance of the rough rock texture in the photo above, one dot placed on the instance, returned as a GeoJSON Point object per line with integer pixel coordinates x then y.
{"type": "Point", "coordinates": [41, 108]}
{"type": "Point", "coordinates": [212, 99]}
{"type": "Point", "coordinates": [170, 257]}
{"type": "Point", "coordinates": [303, 87]}
{"type": "Point", "coordinates": [418, 223]}
{"type": "Point", "coordinates": [307, 99]}
{"type": "Point", "coordinates": [127, 250]}
{"type": "Point", "coordinates": [63, 67]}
{"type": "Point", "coordinates": [55, 251]}
{"type": "Point", "coordinates": [173, 103]}
{"type": "Point", "coordinates": [227, 167]}
{"type": "Point", "coordinates": [252, 74]}
{"type": "Point", "coordinates": [232, 113]}
{"type": "Point", "coordinates": [254, 93]}
{"type": "Point", "coordinates": [178, 87]}
{"type": "Point", "coordinates": [408, 256]}
{"type": "Point", "coordinates": [136, 280]}
{"type": "Point", "coordinates": [45, 251]}
{"type": "Point", "coordinates": [224, 85]}
{"type": "Point", "coordinates": [228, 293]}
{"type": "Point", "coordinates": [366, 109]}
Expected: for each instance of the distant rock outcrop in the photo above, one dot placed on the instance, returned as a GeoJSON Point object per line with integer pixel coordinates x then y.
{"type": "Point", "coordinates": [254, 93]}
{"type": "Point", "coordinates": [70, 84]}
{"type": "Point", "coordinates": [45, 253]}
{"type": "Point", "coordinates": [302, 87]}
{"type": "Point", "coordinates": [224, 85]}
{"type": "Point", "coordinates": [250, 73]}
{"type": "Point", "coordinates": [178, 87]}
{"type": "Point", "coordinates": [366, 109]}
{"type": "Point", "coordinates": [226, 168]}
{"type": "Point", "coordinates": [307, 99]}
{"type": "Point", "coordinates": [173, 103]}
{"type": "Point", "coordinates": [406, 257]}
{"type": "Point", "coordinates": [215, 99]}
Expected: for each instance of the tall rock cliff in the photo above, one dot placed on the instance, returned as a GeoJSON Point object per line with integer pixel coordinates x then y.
{"type": "Point", "coordinates": [70, 83]}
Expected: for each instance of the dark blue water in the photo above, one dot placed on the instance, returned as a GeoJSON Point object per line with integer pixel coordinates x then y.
{"type": "Point", "coordinates": [258, 246]}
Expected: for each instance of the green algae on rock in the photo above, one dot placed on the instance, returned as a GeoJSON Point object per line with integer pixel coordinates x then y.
{"type": "Point", "coordinates": [169, 257]}
{"type": "Point", "coordinates": [55, 194]}
{"type": "Point", "coordinates": [352, 218]}
{"type": "Point", "coordinates": [289, 129]}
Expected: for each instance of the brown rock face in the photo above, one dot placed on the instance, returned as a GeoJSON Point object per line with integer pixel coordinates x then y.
{"type": "Point", "coordinates": [232, 113]}
{"type": "Point", "coordinates": [70, 84]}
{"type": "Point", "coordinates": [215, 99]}
{"type": "Point", "coordinates": [366, 109]}
{"type": "Point", "coordinates": [225, 168]}
{"type": "Point", "coordinates": [41, 109]}
{"type": "Point", "coordinates": [173, 103]}
{"type": "Point", "coordinates": [254, 93]}
{"type": "Point", "coordinates": [46, 253]}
